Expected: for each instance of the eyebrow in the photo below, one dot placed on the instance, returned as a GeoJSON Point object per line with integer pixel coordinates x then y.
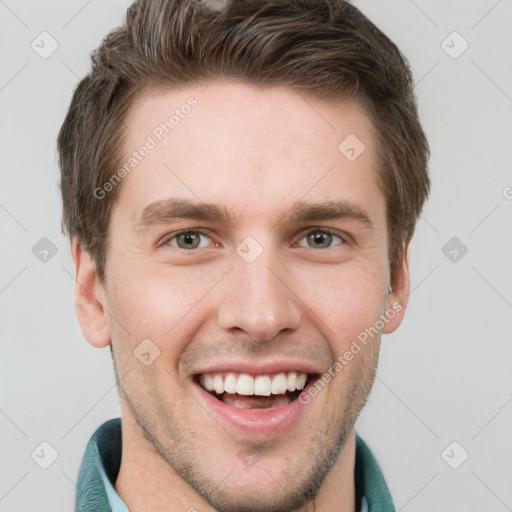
{"type": "Point", "coordinates": [304, 211]}
{"type": "Point", "coordinates": [168, 210]}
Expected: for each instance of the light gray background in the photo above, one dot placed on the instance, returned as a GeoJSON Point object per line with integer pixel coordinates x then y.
{"type": "Point", "coordinates": [444, 375]}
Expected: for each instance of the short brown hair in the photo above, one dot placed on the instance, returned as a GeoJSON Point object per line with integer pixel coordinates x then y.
{"type": "Point", "coordinates": [324, 48]}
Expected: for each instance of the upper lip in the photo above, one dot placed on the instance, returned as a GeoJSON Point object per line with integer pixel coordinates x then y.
{"type": "Point", "coordinates": [261, 367]}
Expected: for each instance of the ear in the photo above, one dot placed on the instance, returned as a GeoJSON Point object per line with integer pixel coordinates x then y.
{"type": "Point", "coordinates": [398, 297]}
{"type": "Point", "coordinates": [89, 298]}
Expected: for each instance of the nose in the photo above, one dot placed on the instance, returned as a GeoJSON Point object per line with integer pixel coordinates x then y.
{"type": "Point", "coordinates": [257, 300]}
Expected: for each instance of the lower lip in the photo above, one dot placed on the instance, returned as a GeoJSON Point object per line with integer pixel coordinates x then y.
{"type": "Point", "coordinates": [264, 422]}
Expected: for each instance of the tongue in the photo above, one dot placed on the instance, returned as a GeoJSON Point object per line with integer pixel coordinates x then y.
{"type": "Point", "coordinates": [255, 402]}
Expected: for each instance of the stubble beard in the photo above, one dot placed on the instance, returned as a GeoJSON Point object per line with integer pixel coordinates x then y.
{"type": "Point", "coordinates": [172, 440]}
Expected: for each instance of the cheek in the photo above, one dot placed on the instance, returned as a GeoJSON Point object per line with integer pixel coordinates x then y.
{"type": "Point", "coordinates": [345, 301]}
{"type": "Point", "coordinates": [157, 302]}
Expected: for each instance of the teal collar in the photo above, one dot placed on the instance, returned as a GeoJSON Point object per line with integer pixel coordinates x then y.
{"type": "Point", "coordinates": [370, 484]}
{"type": "Point", "coordinates": [102, 460]}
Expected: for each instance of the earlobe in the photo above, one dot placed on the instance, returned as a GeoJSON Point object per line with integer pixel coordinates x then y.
{"type": "Point", "coordinates": [398, 296]}
{"type": "Point", "coordinates": [89, 297]}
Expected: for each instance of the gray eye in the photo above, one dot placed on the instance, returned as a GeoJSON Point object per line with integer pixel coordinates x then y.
{"type": "Point", "coordinates": [189, 240]}
{"type": "Point", "coordinates": [320, 240]}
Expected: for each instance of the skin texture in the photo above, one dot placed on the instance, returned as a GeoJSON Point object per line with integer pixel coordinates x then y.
{"type": "Point", "coordinates": [254, 153]}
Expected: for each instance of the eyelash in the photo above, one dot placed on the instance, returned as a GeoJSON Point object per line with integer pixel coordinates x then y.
{"type": "Point", "coordinates": [327, 231]}
{"type": "Point", "coordinates": [167, 239]}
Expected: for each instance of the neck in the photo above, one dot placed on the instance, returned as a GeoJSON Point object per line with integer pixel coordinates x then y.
{"type": "Point", "coordinates": [147, 482]}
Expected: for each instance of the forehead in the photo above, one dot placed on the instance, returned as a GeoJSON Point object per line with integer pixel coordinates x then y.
{"type": "Point", "coordinates": [251, 149]}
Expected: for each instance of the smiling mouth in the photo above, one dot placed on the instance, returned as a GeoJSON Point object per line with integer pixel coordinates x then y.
{"type": "Point", "coordinates": [255, 391]}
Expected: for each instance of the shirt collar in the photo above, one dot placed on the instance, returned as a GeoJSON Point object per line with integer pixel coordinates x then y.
{"type": "Point", "coordinates": [370, 482]}
{"type": "Point", "coordinates": [102, 460]}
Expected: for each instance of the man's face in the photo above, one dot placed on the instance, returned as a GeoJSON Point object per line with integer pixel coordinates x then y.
{"type": "Point", "coordinates": [245, 246]}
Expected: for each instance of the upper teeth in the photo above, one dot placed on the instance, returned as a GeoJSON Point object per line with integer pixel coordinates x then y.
{"type": "Point", "coordinates": [245, 384]}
